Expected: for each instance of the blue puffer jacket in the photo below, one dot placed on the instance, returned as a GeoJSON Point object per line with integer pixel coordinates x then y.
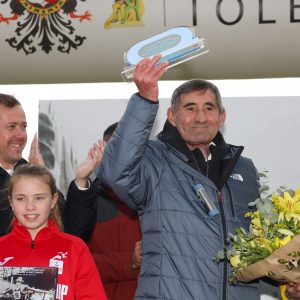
{"type": "Point", "coordinates": [179, 239]}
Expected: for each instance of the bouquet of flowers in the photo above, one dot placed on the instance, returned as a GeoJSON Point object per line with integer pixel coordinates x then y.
{"type": "Point", "coordinates": [271, 247]}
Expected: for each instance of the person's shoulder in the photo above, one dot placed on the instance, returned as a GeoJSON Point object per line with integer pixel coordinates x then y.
{"type": "Point", "coordinates": [72, 239]}
{"type": "Point", "coordinates": [6, 237]}
{"type": "Point", "coordinates": [246, 159]}
{"type": "Point", "coordinates": [75, 244]}
{"type": "Point", "coordinates": [246, 165]}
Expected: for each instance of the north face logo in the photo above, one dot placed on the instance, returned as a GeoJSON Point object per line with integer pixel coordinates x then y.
{"type": "Point", "coordinates": [237, 177]}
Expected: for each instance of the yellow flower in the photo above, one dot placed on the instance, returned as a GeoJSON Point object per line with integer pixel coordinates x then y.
{"type": "Point", "coordinates": [285, 240]}
{"type": "Point", "coordinates": [274, 223]}
{"type": "Point", "coordinates": [279, 243]}
{"type": "Point", "coordinates": [235, 260]}
{"type": "Point", "coordinates": [256, 222]}
{"type": "Point", "coordinates": [250, 214]}
{"type": "Point", "coordinates": [288, 206]}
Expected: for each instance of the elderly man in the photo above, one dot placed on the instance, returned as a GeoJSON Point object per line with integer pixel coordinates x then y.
{"type": "Point", "coordinates": [164, 179]}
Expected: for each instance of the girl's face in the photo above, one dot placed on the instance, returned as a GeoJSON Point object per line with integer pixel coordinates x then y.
{"type": "Point", "coordinates": [31, 202]}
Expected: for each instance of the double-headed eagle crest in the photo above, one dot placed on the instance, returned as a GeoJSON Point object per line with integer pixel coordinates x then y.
{"type": "Point", "coordinates": [44, 24]}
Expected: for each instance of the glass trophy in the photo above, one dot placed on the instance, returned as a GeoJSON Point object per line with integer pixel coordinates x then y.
{"type": "Point", "coordinates": [175, 45]}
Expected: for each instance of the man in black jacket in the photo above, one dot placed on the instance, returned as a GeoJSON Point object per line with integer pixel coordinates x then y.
{"type": "Point", "coordinates": [13, 138]}
{"type": "Point", "coordinates": [77, 216]}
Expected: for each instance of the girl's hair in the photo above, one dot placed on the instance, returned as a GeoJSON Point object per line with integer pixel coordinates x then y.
{"type": "Point", "coordinates": [45, 175]}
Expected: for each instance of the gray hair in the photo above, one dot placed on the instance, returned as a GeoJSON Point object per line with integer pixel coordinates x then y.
{"type": "Point", "coordinates": [196, 85]}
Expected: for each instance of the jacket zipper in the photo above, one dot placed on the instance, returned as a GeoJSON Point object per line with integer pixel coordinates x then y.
{"type": "Point", "coordinates": [230, 200]}
{"type": "Point", "coordinates": [224, 229]}
{"type": "Point", "coordinates": [32, 244]}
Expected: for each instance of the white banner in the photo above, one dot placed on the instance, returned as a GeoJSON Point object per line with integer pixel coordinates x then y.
{"type": "Point", "coordinates": [45, 41]}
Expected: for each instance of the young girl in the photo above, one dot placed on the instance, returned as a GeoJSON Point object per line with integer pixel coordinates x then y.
{"type": "Point", "coordinates": [36, 241]}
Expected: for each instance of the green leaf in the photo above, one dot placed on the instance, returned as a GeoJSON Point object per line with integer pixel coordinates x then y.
{"type": "Point", "coordinates": [285, 231]}
{"type": "Point", "coordinates": [220, 255]}
{"type": "Point", "coordinates": [254, 203]}
{"type": "Point", "coordinates": [228, 255]}
{"type": "Point", "coordinates": [262, 174]}
{"type": "Point", "coordinates": [264, 188]}
{"type": "Point", "coordinates": [233, 251]}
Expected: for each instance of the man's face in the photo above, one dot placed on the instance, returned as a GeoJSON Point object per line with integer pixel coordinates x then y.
{"type": "Point", "coordinates": [197, 118]}
{"type": "Point", "coordinates": [13, 135]}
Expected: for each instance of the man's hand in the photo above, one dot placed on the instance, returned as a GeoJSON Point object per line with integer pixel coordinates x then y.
{"type": "Point", "coordinates": [293, 290]}
{"type": "Point", "coordinates": [137, 255]}
{"type": "Point", "coordinates": [35, 157]}
{"type": "Point", "coordinates": [89, 164]}
{"type": "Point", "coordinates": [146, 76]}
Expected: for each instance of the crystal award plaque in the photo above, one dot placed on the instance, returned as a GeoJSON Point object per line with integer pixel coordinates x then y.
{"type": "Point", "coordinates": [175, 45]}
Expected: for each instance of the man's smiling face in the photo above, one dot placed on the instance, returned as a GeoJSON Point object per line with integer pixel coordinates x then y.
{"type": "Point", "coordinates": [197, 118]}
{"type": "Point", "coordinates": [13, 135]}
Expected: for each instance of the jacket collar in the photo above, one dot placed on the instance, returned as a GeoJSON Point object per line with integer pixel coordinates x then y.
{"type": "Point", "coordinates": [22, 233]}
{"type": "Point", "coordinates": [171, 136]}
{"type": "Point", "coordinates": [19, 163]}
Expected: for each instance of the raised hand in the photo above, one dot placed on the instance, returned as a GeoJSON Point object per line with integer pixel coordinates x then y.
{"type": "Point", "coordinates": [146, 76]}
{"type": "Point", "coordinates": [35, 157]}
{"type": "Point", "coordinates": [89, 164]}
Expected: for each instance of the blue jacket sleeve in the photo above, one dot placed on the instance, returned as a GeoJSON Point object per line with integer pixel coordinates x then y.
{"type": "Point", "coordinates": [123, 163]}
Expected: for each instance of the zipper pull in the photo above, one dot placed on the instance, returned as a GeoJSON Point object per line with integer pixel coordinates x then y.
{"type": "Point", "coordinates": [32, 244]}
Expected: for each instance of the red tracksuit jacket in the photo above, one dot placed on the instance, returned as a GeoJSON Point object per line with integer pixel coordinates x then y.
{"type": "Point", "coordinates": [112, 245]}
{"type": "Point", "coordinates": [78, 277]}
